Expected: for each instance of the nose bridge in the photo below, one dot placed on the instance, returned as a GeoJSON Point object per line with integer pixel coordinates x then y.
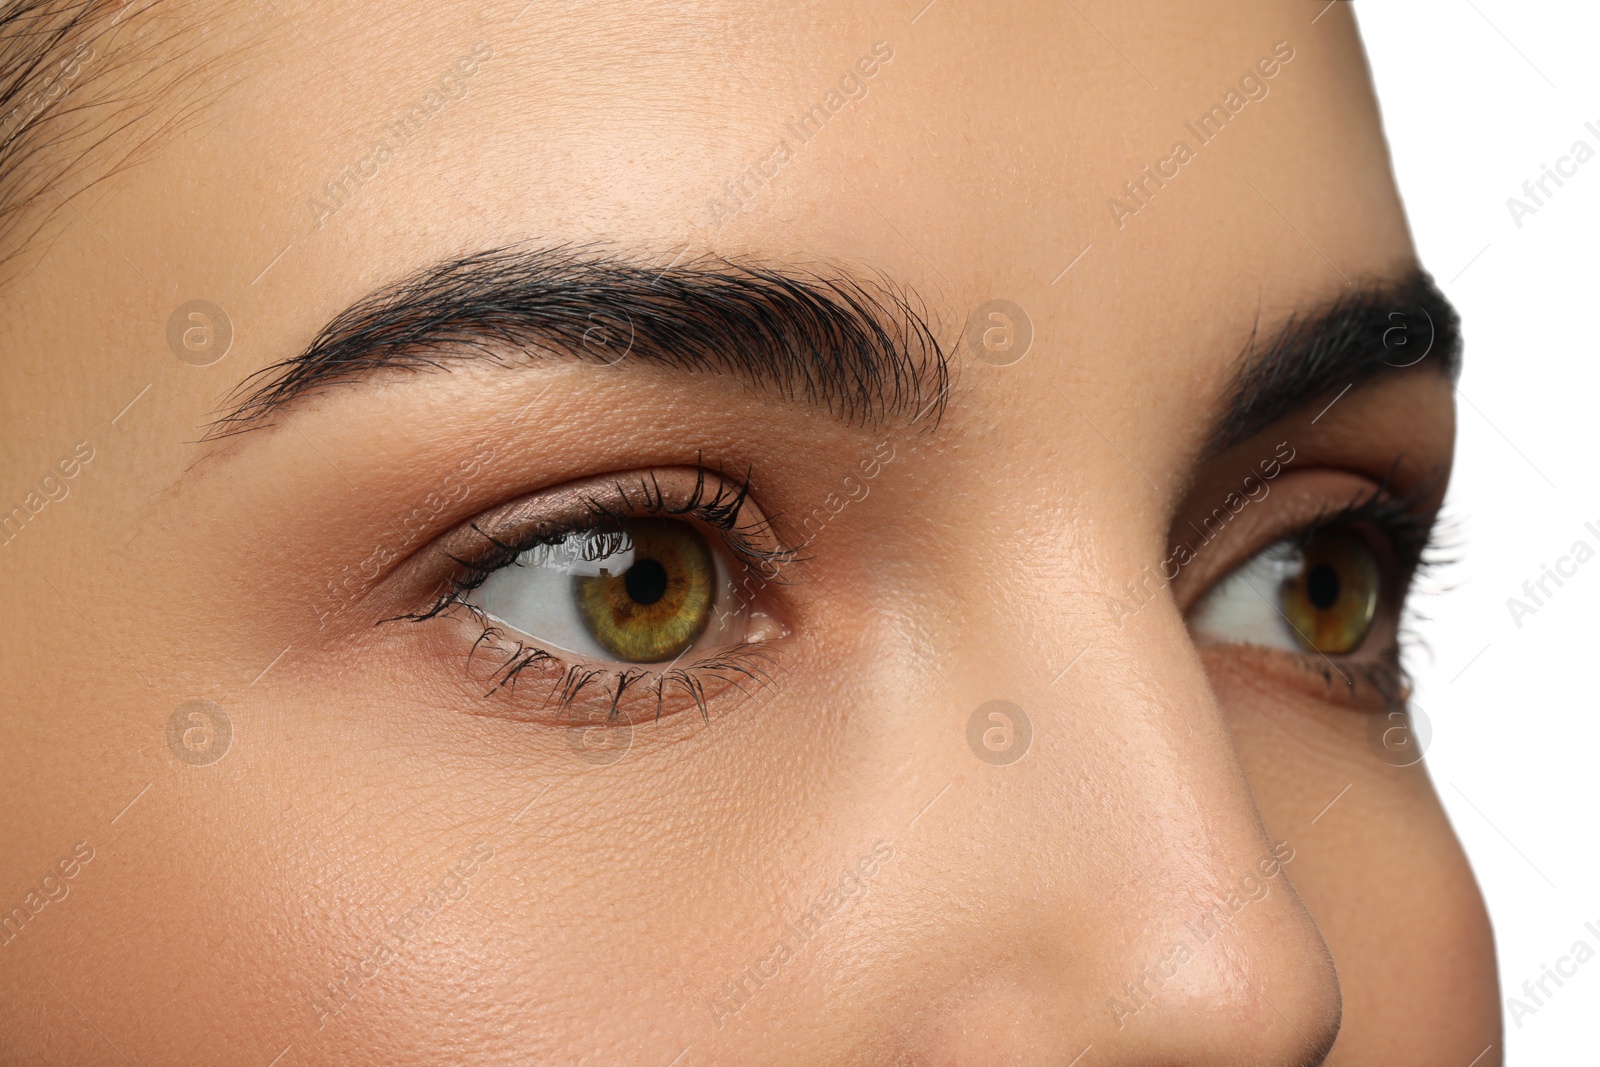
{"type": "Point", "coordinates": [1162, 760]}
{"type": "Point", "coordinates": [1176, 932]}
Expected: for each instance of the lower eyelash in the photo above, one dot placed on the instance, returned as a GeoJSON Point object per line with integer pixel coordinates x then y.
{"type": "Point", "coordinates": [1386, 677]}
{"type": "Point", "coordinates": [1372, 686]}
{"type": "Point", "coordinates": [740, 664]}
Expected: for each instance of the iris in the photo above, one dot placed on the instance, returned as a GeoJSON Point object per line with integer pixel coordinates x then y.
{"type": "Point", "coordinates": [659, 606]}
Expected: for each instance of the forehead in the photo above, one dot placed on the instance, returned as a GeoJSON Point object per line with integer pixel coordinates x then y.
{"type": "Point", "coordinates": [1141, 180]}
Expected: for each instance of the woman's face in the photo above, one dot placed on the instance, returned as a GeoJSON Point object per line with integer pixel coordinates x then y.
{"type": "Point", "coordinates": [850, 536]}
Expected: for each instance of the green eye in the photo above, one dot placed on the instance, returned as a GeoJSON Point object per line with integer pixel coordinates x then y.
{"type": "Point", "coordinates": [659, 605]}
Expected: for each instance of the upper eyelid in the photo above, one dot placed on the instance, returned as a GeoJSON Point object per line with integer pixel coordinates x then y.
{"type": "Point", "coordinates": [665, 491]}
{"type": "Point", "coordinates": [1409, 529]}
{"type": "Point", "coordinates": [1293, 510]}
{"type": "Point", "coordinates": [1405, 531]}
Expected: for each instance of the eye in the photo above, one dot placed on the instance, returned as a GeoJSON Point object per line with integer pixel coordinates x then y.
{"type": "Point", "coordinates": [648, 592]}
{"type": "Point", "coordinates": [622, 596]}
{"type": "Point", "coordinates": [1319, 593]}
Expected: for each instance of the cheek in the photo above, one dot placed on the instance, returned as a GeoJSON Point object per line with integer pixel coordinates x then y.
{"type": "Point", "coordinates": [1380, 870]}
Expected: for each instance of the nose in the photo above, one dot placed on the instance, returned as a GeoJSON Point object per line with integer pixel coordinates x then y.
{"type": "Point", "coordinates": [1135, 910]}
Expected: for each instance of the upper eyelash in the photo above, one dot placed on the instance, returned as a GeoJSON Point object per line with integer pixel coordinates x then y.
{"type": "Point", "coordinates": [720, 511]}
{"type": "Point", "coordinates": [1410, 527]}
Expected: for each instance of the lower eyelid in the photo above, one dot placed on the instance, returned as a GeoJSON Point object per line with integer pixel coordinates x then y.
{"type": "Point", "coordinates": [518, 676]}
{"type": "Point", "coordinates": [516, 680]}
{"type": "Point", "coordinates": [1375, 683]}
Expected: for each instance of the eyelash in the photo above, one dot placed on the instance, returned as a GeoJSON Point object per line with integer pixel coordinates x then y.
{"type": "Point", "coordinates": [1411, 529]}
{"type": "Point", "coordinates": [718, 510]}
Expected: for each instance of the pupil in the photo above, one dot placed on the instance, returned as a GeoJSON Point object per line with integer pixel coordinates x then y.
{"type": "Point", "coordinates": [646, 581]}
{"type": "Point", "coordinates": [1322, 586]}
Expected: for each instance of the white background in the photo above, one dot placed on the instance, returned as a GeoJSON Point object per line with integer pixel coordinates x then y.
{"type": "Point", "coordinates": [1477, 96]}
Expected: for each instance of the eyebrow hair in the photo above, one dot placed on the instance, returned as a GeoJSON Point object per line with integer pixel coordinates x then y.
{"type": "Point", "coordinates": [1394, 324]}
{"type": "Point", "coordinates": [859, 347]}
{"type": "Point", "coordinates": [856, 346]}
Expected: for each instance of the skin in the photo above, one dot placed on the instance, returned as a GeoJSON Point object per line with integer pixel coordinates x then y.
{"type": "Point", "coordinates": [620, 898]}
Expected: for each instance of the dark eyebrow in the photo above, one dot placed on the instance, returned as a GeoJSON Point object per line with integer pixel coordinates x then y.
{"type": "Point", "coordinates": [856, 346]}
{"type": "Point", "coordinates": [1393, 325]}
